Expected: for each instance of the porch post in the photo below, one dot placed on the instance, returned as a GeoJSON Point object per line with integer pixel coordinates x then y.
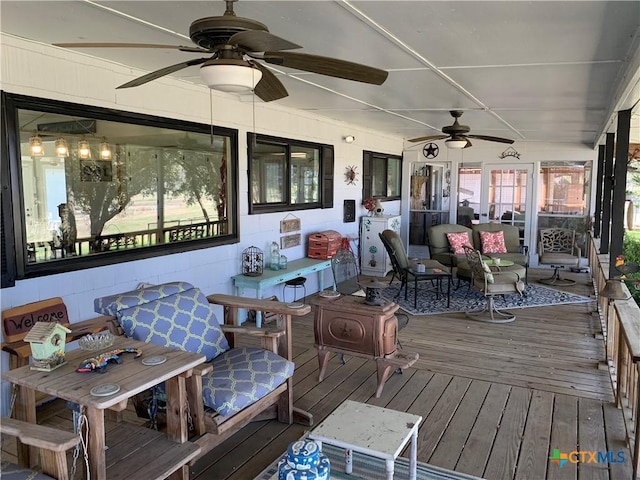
{"type": "Point", "coordinates": [599, 176]}
{"type": "Point", "coordinates": [619, 188]}
{"type": "Point", "coordinates": [606, 194]}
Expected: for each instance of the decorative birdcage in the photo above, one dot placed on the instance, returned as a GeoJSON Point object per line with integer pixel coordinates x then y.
{"type": "Point", "coordinates": [252, 261]}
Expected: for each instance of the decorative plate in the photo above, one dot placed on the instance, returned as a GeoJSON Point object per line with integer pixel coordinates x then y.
{"type": "Point", "coordinates": [155, 360]}
{"type": "Point", "coordinates": [295, 305]}
{"type": "Point", "coordinates": [329, 294]}
{"type": "Point", "coordinates": [105, 390]}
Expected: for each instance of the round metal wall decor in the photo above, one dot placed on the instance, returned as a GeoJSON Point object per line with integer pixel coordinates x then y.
{"type": "Point", "coordinates": [430, 150]}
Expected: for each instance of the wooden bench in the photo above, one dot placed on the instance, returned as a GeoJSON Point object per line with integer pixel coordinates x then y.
{"type": "Point", "coordinates": [51, 443]}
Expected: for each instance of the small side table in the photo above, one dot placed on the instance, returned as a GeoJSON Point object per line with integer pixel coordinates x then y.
{"type": "Point", "coordinates": [433, 271]}
{"type": "Point", "coordinates": [375, 431]}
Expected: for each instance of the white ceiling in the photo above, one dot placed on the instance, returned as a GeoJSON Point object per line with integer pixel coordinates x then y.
{"type": "Point", "coordinates": [536, 71]}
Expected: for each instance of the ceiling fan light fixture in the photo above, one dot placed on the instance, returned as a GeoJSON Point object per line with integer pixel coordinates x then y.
{"type": "Point", "coordinates": [230, 76]}
{"type": "Point", "coordinates": [61, 147]}
{"type": "Point", "coordinates": [456, 143]}
{"type": "Point", "coordinates": [36, 148]}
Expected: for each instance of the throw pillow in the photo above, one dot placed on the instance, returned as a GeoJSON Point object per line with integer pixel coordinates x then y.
{"type": "Point", "coordinates": [487, 273]}
{"type": "Point", "coordinates": [184, 321]}
{"type": "Point", "coordinates": [493, 242]}
{"type": "Point", "coordinates": [457, 241]}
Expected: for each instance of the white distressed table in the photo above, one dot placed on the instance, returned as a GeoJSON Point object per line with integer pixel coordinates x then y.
{"type": "Point", "coordinates": [375, 431]}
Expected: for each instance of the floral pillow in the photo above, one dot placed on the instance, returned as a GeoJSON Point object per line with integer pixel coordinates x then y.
{"type": "Point", "coordinates": [457, 241]}
{"type": "Point", "coordinates": [492, 242]}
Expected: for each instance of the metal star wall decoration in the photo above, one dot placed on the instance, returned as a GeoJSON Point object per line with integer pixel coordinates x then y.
{"type": "Point", "coordinates": [430, 150]}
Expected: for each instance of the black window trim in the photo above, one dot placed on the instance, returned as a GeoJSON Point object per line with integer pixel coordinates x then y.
{"type": "Point", "coordinates": [13, 211]}
{"type": "Point", "coordinates": [367, 167]}
{"type": "Point", "coordinates": [325, 177]}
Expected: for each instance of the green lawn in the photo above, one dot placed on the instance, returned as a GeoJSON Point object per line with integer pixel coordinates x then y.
{"type": "Point", "coordinates": [635, 234]}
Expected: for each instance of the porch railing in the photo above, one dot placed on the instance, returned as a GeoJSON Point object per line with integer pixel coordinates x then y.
{"type": "Point", "coordinates": [621, 328]}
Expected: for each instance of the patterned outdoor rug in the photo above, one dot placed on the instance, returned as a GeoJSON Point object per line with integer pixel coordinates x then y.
{"type": "Point", "coordinates": [464, 299]}
{"type": "Point", "coordinates": [370, 468]}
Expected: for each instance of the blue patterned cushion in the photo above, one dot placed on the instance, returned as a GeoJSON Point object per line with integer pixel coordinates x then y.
{"type": "Point", "coordinates": [185, 321]}
{"type": "Point", "coordinates": [242, 376]}
{"type": "Point", "coordinates": [10, 471]}
{"type": "Point", "coordinates": [112, 304]}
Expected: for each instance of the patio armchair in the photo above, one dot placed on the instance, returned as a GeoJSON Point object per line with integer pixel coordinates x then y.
{"type": "Point", "coordinates": [557, 247]}
{"type": "Point", "coordinates": [399, 260]}
{"type": "Point", "coordinates": [491, 283]}
{"type": "Point", "coordinates": [237, 383]}
{"type": "Point", "coordinates": [51, 443]}
{"type": "Point", "coordinates": [512, 251]}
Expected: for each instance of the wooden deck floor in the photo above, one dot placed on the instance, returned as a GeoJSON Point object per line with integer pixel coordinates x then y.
{"type": "Point", "coordinates": [497, 400]}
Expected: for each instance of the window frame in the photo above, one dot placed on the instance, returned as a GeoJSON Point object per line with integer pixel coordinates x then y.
{"type": "Point", "coordinates": [368, 158]}
{"type": "Point", "coordinates": [325, 174]}
{"type": "Point", "coordinates": [13, 209]}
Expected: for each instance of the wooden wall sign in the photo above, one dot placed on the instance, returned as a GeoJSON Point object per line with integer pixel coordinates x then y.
{"type": "Point", "coordinates": [289, 241]}
{"type": "Point", "coordinates": [289, 225]}
{"type": "Point", "coordinates": [18, 321]}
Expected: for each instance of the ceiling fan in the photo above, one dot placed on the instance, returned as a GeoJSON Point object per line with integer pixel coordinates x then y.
{"type": "Point", "coordinates": [234, 45]}
{"type": "Point", "coordinates": [457, 135]}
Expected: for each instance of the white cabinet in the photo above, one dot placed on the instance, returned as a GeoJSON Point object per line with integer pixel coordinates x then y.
{"type": "Point", "coordinates": [374, 260]}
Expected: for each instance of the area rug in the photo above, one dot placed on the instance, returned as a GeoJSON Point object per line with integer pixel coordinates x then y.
{"type": "Point", "coordinates": [370, 468]}
{"type": "Point", "coordinates": [464, 299]}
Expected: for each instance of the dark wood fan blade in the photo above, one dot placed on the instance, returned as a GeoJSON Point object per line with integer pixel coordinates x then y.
{"type": "Point", "coordinates": [182, 48]}
{"type": "Point", "coordinates": [269, 88]}
{"type": "Point", "coordinates": [428, 137]}
{"type": "Point", "coordinates": [136, 82]}
{"type": "Point", "coordinates": [469, 144]}
{"type": "Point", "coordinates": [261, 41]}
{"type": "Point", "coordinates": [328, 66]}
{"type": "Point", "coordinates": [491, 139]}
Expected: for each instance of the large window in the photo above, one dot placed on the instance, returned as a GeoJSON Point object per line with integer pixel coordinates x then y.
{"type": "Point", "coordinates": [564, 188]}
{"type": "Point", "coordinates": [289, 174]}
{"type": "Point", "coordinates": [382, 176]}
{"type": "Point", "coordinates": [564, 197]}
{"type": "Point", "coordinates": [91, 186]}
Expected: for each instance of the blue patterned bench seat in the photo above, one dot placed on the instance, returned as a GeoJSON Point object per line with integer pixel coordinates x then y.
{"type": "Point", "coordinates": [178, 315]}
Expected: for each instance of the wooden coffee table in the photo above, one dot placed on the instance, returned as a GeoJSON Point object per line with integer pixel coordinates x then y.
{"type": "Point", "coordinates": [375, 431]}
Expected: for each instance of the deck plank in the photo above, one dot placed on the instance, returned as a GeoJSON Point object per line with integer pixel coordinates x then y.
{"type": "Point", "coordinates": [591, 440]}
{"type": "Point", "coordinates": [534, 453]}
{"type": "Point", "coordinates": [454, 438]}
{"type": "Point", "coordinates": [504, 455]}
{"type": "Point", "coordinates": [564, 437]}
{"type": "Point", "coordinates": [475, 453]}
